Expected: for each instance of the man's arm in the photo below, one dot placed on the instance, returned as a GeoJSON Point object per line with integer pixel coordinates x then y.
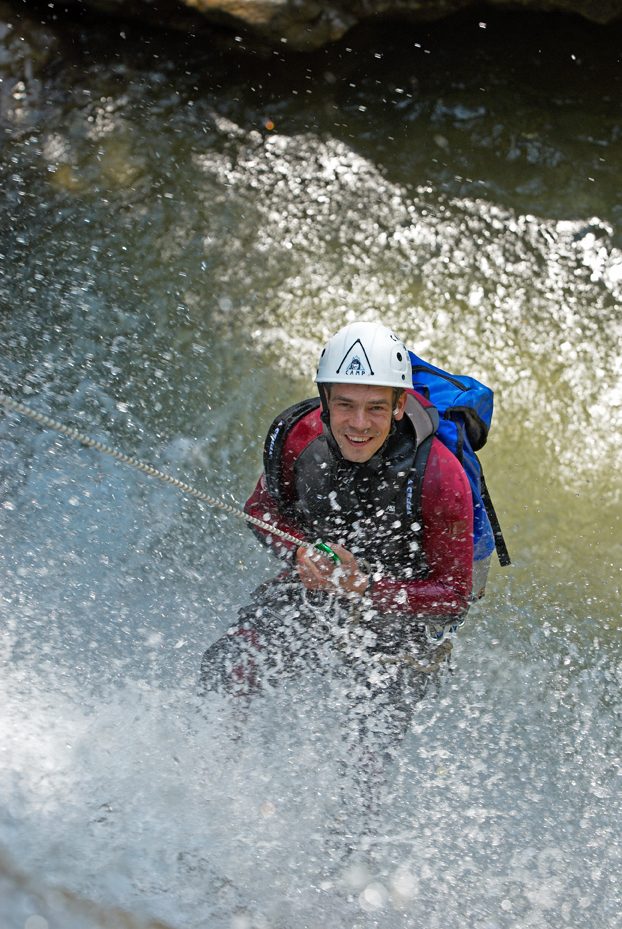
{"type": "Point", "coordinates": [447, 511]}
{"type": "Point", "coordinates": [315, 571]}
{"type": "Point", "coordinates": [263, 506]}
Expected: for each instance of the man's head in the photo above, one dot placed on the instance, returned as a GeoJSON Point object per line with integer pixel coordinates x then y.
{"type": "Point", "coordinates": [361, 416]}
{"type": "Point", "coordinates": [363, 371]}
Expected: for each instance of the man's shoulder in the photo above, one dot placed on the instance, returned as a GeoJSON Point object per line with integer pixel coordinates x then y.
{"type": "Point", "coordinates": [298, 416]}
{"type": "Point", "coordinates": [303, 429]}
{"type": "Point", "coordinates": [290, 433]}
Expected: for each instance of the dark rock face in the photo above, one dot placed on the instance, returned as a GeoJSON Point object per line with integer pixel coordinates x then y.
{"type": "Point", "coordinates": [310, 24]}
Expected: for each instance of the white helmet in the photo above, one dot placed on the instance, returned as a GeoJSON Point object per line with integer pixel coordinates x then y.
{"type": "Point", "coordinates": [365, 353]}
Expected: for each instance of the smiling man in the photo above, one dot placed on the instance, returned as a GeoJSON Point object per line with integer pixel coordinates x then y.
{"type": "Point", "coordinates": [361, 418]}
{"type": "Point", "coordinates": [360, 468]}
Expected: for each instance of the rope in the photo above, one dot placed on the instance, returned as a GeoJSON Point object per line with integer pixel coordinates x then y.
{"type": "Point", "coordinates": [48, 423]}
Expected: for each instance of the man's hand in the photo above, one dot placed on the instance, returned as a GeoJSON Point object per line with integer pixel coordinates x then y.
{"type": "Point", "coordinates": [319, 572]}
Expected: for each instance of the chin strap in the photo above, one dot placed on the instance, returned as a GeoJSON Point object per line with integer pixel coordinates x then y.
{"type": "Point", "coordinates": [325, 415]}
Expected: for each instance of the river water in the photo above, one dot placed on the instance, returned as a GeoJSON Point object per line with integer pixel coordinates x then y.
{"type": "Point", "coordinates": [181, 229]}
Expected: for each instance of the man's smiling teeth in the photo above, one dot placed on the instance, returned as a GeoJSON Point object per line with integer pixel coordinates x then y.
{"type": "Point", "coordinates": [360, 440]}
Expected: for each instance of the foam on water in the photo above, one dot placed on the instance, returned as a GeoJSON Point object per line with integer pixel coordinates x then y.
{"type": "Point", "coordinates": [496, 810]}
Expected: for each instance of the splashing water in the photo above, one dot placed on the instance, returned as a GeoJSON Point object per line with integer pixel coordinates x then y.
{"type": "Point", "coordinates": [171, 270]}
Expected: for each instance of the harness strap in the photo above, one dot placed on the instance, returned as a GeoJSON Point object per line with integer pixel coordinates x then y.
{"type": "Point", "coordinates": [418, 469]}
{"type": "Point", "coordinates": [502, 550]}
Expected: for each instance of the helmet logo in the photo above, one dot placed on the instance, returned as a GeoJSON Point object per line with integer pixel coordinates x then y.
{"type": "Point", "coordinates": [353, 362]}
{"type": "Point", "coordinates": [356, 366]}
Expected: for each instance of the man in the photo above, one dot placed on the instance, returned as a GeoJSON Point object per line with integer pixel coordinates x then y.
{"type": "Point", "coordinates": [360, 469]}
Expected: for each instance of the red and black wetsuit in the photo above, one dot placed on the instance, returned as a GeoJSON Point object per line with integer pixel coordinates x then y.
{"type": "Point", "coordinates": [408, 511]}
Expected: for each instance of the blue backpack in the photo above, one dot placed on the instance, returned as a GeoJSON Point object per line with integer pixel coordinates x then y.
{"type": "Point", "coordinates": [465, 411]}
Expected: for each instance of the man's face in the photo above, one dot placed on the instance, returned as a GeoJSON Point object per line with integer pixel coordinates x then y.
{"type": "Point", "coordinates": [360, 418]}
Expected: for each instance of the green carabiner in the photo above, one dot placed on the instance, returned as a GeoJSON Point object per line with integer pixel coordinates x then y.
{"type": "Point", "coordinates": [327, 550]}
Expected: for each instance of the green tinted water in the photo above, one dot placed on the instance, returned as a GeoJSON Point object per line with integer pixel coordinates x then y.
{"type": "Point", "coordinates": [461, 182]}
{"type": "Point", "coordinates": [182, 228]}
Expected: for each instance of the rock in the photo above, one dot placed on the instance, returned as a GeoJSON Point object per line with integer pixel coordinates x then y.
{"type": "Point", "coordinates": [310, 24]}
{"type": "Point", "coordinates": [25, 46]}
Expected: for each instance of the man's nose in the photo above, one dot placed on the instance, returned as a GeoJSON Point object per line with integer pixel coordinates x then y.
{"type": "Point", "coordinates": [360, 419]}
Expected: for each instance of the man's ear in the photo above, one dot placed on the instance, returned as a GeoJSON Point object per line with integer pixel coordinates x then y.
{"type": "Point", "coordinates": [400, 406]}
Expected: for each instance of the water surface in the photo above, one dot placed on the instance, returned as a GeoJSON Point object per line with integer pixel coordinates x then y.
{"type": "Point", "coordinates": [181, 230]}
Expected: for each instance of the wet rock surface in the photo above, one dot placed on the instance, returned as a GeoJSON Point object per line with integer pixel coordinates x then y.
{"type": "Point", "coordinates": [308, 24]}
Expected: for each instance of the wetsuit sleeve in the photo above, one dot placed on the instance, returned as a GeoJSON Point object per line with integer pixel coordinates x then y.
{"type": "Point", "coordinates": [263, 506]}
{"type": "Point", "coordinates": [447, 512]}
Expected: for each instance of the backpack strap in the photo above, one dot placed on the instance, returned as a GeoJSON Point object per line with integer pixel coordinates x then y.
{"type": "Point", "coordinates": [502, 550]}
{"type": "Point", "coordinates": [415, 483]}
{"type": "Point", "coordinates": [275, 440]}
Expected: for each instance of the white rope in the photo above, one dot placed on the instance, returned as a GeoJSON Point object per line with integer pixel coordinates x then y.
{"type": "Point", "coordinates": [48, 423]}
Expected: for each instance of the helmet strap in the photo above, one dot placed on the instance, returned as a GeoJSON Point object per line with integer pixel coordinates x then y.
{"type": "Point", "coordinates": [325, 415]}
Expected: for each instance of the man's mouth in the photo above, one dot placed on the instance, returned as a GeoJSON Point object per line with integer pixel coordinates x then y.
{"type": "Point", "coordinates": [358, 439]}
